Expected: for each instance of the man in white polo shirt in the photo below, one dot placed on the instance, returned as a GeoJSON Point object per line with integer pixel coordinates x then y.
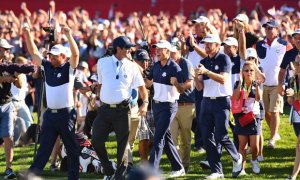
{"type": "Point", "coordinates": [270, 52]}
{"type": "Point", "coordinates": [117, 76]}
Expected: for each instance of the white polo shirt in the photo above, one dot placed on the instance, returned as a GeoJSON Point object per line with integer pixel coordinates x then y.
{"type": "Point", "coordinates": [19, 94]}
{"type": "Point", "coordinates": [270, 58]}
{"type": "Point", "coordinates": [117, 81]}
{"type": "Point", "coordinates": [194, 57]}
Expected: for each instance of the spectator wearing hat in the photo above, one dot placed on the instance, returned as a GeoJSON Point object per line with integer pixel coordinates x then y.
{"type": "Point", "coordinates": [182, 123]}
{"type": "Point", "coordinates": [230, 45]}
{"type": "Point", "coordinates": [215, 71]}
{"type": "Point", "coordinates": [117, 76]}
{"type": "Point", "coordinates": [166, 77]}
{"type": "Point", "coordinates": [242, 28]}
{"type": "Point", "coordinates": [60, 117]}
{"type": "Point", "coordinates": [195, 52]}
{"type": "Point", "coordinates": [270, 52]}
{"type": "Point", "coordinates": [146, 125]}
{"type": "Point", "coordinates": [251, 56]}
{"type": "Point", "coordinates": [7, 109]}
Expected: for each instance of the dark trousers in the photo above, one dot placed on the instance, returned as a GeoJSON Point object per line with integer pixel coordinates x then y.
{"type": "Point", "coordinates": [61, 123]}
{"type": "Point", "coordinates": [195, 126]}
{"type": "Point", "coordinates": [116, 119]}
{"type": "Point", "coordinates": [214, 119]}
{"type": "Point", "coordinates": [164, 113]}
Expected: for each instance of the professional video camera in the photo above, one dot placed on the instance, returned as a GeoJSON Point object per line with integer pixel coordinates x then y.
{"type": "Point", "coordinates": [108, 52]}
{"type": "Point", "coordinates": [50, 30]}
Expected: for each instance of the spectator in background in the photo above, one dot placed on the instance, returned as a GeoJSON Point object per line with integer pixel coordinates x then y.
{"type": "Point", "coordinates": [249, 133]}
{"type": "Point", "coordinates": [181, 125]}
{"type": "Point", "coordinates": [19, 95]}
{"type": "Point", "coordinates": [270, 52]}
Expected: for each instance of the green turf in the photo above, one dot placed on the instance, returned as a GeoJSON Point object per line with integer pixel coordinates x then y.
{"type": "Point", "coordinates": [277, 165]}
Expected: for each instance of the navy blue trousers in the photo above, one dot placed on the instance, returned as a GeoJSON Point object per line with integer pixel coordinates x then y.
{"type": "Point", "coordinates": [61, 123]}
{"type": "Point", "coordinates": [164, 113]}
{"type": "Point", "coordinates": [214, 121]}
{"type": "Point", "coordinates": [195, 126]}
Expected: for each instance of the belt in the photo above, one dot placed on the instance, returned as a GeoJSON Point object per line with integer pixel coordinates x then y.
{"type": "Point", "coordinates": [270, 86]}
{"type": "Point", "coordinates": [115, 106]}
{"type": "Point", "coordinates": [157, 102]}
{"type": "Point", "coordinates": [4, 101]}
{"type": "Point", "coordinates": [60, 110]}
{"type": "Point", "coordinates": [185, 103]}
{"type": "Point", "coordinates": [15, 100]}
{"type": "Point", "coordinates": [213, 98]}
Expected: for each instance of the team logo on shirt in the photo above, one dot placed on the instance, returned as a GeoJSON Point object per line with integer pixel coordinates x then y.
{"type": "Point", "coordinates": [58, 75]}
{"type": "Point", "coordinates": [216, 67]}
{"type": "Point", "coordinates": [164, 74]}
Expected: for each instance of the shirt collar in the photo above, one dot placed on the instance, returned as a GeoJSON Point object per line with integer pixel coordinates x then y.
{"type": "Point", "coordinates": [115, 60]}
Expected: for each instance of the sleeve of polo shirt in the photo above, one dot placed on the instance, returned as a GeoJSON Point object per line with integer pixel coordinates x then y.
{"type": "Point", "coordinates": [285, 61]}
{"type": "Point", "coordinates": [137, 77]}
{"type": "Point", "coordinates": [99, 71]}
{"type": "Point", "coordinates": [226, 64]}
{"type": "Point", "coordinates": [185, 71]}
{"type": "Point", "coordinates": [179, 75]}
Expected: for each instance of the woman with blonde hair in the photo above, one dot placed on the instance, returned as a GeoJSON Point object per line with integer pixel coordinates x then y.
{"type": "Point", "coordinates": [248, 122]}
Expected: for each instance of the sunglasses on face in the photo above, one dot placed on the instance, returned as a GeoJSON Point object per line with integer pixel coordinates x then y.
{"type": "Point", "coordinates": [251, 58]}
{"type": "Point", "coordinates": [247, 70]}
{"type": "Point", "coordinates": [269, 28]}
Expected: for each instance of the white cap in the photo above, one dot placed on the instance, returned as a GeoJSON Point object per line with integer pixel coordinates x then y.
{"type": "Point", "coordinates": [4, 44]}
{"type": "Point", "coordinates": [251, 52]}
{"type": "Point", "coordinates": [58, 49]}
{"type": "Point", "coordinates": [212, 38]}
{"type": "Point", "coordinates": [106, 22]}
{"type": "Point", "coordinates": [242, 17]}
{"type": "Point", "coordinates": [297, 31]}
{"type": "Point", "coordinates": [100, 27]}
{"type": "Point", "coordinates": [175, 44]}
{"type": "Point", "coordinates": [162, 44]}
{"type": "Point", "coordinates": [230, 41]}
{"type": "Point", "coordinates": [201, 19]}
{"type": "Point", "coordinates": [84, 64]}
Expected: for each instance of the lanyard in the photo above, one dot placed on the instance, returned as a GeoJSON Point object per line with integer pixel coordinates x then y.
{"type": "Point", "coordinates": [247, 93]}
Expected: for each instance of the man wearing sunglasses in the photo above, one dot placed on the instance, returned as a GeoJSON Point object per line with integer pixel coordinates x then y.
{"type": "Point", "coordinates": [270, 52]}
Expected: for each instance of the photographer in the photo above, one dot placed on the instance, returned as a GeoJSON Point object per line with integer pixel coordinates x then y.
{"type": "Point", "coordinates": [60, 117]}
{"type": "Point", "coordinates": [7, 109]}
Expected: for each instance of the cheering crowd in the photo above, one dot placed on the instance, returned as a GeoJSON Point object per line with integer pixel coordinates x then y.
{"type": "Point", "coordinates": [155, 78]}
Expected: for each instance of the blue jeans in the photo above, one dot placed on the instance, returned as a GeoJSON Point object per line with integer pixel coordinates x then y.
{"type": "Point", "coordinates": [7, 120]}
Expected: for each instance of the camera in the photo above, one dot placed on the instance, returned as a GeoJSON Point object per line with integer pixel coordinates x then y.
{"type": "Point", "coordinates": [50, 30]}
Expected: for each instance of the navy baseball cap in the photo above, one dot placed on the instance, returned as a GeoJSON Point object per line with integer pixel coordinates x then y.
{"type": "Point", "coordinates": [141, 55]}
{"type": "Point", "coordinates": [122, 41]}
{"type": "Point", "coordinates": [271, 23]}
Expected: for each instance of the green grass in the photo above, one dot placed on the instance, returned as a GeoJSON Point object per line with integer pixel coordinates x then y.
{"type": "Point", "coordinates": [277, 165]}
